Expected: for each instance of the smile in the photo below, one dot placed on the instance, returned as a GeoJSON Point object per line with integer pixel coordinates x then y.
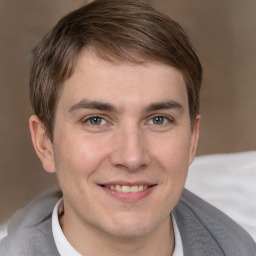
{"type": "Point", "coordinates": [127, 189]}
{"type": "Point", "coordinates": [128, 192]}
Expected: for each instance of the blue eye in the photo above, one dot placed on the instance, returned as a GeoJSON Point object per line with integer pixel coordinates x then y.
{"type": "Point", "coordinates": [96, 120]}
{"type": "Point", "coordinates": [159, 120]}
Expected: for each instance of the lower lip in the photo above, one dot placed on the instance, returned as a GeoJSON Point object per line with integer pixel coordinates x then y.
{"type": "Point", "coordinates": [129, 197]}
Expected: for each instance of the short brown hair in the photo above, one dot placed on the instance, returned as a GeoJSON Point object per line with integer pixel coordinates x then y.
{"type": "Point", "coordinates": [115, 30]}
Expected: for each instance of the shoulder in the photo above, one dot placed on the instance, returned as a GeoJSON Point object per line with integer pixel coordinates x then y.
{"type": "Point", "coordinates": [207, 231]}
{"type": "Point", "coordinates": [29, 231]}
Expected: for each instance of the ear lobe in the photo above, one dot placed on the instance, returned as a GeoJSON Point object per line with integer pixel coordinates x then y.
{"type": "Point", "coordinates": [42, 144]}
{"type": "Point", "coordinates": [194, 139]}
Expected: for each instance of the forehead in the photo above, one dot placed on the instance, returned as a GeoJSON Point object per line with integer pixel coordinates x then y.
{"type": "Point", "coordinates": [114, 80]}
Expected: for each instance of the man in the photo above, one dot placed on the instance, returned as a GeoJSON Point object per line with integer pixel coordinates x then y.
{"type": "Point", "coordinates": [115, 90]}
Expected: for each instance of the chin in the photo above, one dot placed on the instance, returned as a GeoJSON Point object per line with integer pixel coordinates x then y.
{"type": "Point", "coordinates": [131, 226]}
{"type": "Point", "coordinates": [130, 232]}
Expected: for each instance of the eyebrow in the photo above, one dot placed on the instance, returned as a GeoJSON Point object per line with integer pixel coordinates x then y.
{"type": "Point", "coordinates": [89, 104]}
{"type": "Point", "coordinates": [164, 105]}
{"type": "Point", "coordinates": [102, 106]}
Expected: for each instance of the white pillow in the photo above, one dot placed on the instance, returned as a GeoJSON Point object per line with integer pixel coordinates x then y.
{"type": "Point", "coordinates": [227, 181]}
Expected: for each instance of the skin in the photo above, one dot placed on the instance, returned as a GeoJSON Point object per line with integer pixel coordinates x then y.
{"type": "Point", "coordinates": [119, 123]}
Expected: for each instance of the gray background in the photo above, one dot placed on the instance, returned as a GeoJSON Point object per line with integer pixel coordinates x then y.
{"type": "Point", "coordinates": [224, 34]}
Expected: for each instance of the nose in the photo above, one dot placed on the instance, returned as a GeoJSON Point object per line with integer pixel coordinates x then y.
{"type": "Point", "coordinates": [130, 150]}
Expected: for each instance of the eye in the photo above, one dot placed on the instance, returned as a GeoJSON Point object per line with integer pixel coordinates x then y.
{"type": "Point", "coordinates": [96, 120]}
{"type": "Point", "coordinates": [159, 120]}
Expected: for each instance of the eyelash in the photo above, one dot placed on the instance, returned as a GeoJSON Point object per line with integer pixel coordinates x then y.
{"type": "Point", "coordinates": [90, 118]}
{"type": "Point", "coordinates": [165, 120]}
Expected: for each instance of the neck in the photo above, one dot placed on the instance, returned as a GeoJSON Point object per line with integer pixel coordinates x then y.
{"type": "Point", "coordinates": [88, 241]}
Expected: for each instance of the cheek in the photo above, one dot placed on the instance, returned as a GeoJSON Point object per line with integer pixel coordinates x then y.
{"type": "Point", "coordinates": [172, 156]}
{"type": "Point", "coordinates": [172, 152]}
{"type": "Point", "coordinates": [76, 158]}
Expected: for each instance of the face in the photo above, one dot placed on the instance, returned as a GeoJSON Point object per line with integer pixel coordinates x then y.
{"type": "Point", "coordinates": [122, 145]}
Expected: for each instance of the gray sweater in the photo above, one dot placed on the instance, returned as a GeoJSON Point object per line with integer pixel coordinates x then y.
{"type": "Point", "coordinates": [205, 231]}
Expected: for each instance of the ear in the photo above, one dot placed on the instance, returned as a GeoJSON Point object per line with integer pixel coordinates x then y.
{"type": "Point", "coordinates": [42, 144]}
{"type": "Point", "coordinates": [194, 139]}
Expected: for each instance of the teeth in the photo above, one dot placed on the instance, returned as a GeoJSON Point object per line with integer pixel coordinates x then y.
{"type": "Point", "coordinates": [140, 187]}
{"type": "Point", "coordinates": [134, 189]}
{"type": "Point", "coordinates": [118, 188]}
{"type": "Point", "coordinates": [127, 189]}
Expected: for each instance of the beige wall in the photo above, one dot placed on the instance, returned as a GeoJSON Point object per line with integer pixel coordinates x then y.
{"type": "Point", "coordinates": [224, 34]}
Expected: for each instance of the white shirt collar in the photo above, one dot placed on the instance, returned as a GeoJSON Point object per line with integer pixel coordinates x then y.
{"type": "Point", "coordinates": [62, 244]}
{"type": "Point", "coordinates": [66, 249]}
{"type": "Point", "coordinates": [178, 250]}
